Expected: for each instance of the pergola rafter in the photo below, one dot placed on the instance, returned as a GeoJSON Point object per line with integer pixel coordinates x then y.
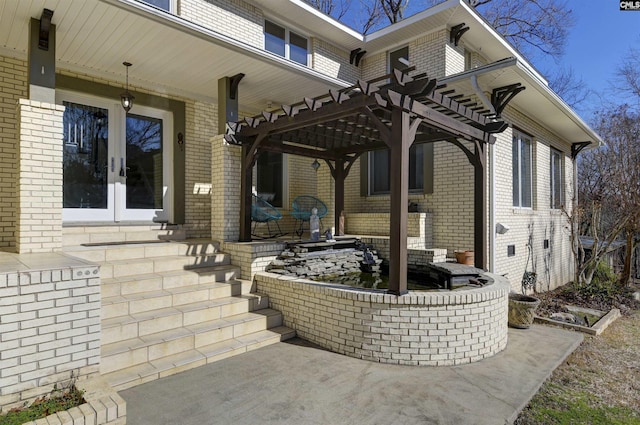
{"type": "Point", "coordinates": [393, 111]}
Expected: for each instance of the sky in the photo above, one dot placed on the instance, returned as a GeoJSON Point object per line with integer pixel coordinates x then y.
{"type": "Point", "coordinates": [597, 45]}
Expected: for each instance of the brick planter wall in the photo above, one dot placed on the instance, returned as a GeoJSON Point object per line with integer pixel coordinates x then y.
{"type": "Point", "coordinates": [420, 328]}
{"type": "Point", "coordinates": [49, 328]}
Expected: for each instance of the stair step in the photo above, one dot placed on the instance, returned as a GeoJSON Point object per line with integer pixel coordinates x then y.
{"type": "Point", "coordinates": [117, 320]}
{"type": "Point", "coordinates": [77, 235]}
{"type": "Point", "coordinates": [171, 364]}
{"type": "Point", "coordinates": [146, 348]}
{"type": "Point", "coordinates": [123, 250]}
{"type": "Point", "coordinates": [167, 263]}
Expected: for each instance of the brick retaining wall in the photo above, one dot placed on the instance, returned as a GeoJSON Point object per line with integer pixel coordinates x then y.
{"type": "Point", "coordinates": [420, 328]}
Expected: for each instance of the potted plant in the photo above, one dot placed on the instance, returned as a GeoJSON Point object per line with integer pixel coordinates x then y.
{"type": "Point", "coordinates": [522, 310]}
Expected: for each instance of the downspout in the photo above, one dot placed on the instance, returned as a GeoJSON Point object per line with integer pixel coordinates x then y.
{"type": "Point", "coordinates": [492, 180]}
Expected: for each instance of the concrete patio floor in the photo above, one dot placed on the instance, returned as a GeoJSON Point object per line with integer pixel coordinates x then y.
{"type": "Point", "coordinates": [296, 382]}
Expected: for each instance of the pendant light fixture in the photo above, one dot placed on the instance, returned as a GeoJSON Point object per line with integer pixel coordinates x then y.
{"type": "Point", "coordinates": [126, 98]}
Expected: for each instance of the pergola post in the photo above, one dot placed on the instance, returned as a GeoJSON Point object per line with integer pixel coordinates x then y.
{"type": "Point", "coordinates": [246, 182]}
{"type": "Point", "coordinates": [338, 179]}
{"type": "Point", "coordinates": [480, 206]}
{"type": "Point", "coordinates": [399, 186]}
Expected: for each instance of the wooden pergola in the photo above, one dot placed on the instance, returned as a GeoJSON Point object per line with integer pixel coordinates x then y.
{"type": "Point", "coordinates": [392, 111]}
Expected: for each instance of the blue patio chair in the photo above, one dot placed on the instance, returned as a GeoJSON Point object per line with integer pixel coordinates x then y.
{"type": "Point", "coordinates": [301, 211]}
{"type": "Point", "coordinates": [264, 212]}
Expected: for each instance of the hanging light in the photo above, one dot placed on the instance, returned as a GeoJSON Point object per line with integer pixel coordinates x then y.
{"type": "Point", "coordinates": [315, 165]}
{"type": "Point", "coordinates": [126, 98]}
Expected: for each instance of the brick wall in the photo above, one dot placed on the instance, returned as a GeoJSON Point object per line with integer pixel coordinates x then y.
{"type": "Point", "coordinates": [420, 328]}
{"type": "Point", "coordinates": [49, 329]}
{"type": "Point", "coordinates": [252, 257]}
{"type": "Point", "coordinates": [13, 84]}
{"type": "Point", "coordinates": [225, 201]}
{"type": "Point", "coordinates": [332, 61]}
{"type": "Point", "coordinates": [39, 218]}
{"type": "Point", "coordinates": [554, 265]}
{"type": "Point", "coordinates": [234, 18]}
{"type": "Point", "coordinates": [201, 122]}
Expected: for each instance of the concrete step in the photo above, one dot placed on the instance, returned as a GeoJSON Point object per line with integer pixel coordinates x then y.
{"type": "Point", "coordinates": [175, 279]}
{"type": "Point", "coordinates": [166, 263]}
{"type": "Point", "coordinates": [129, 250]}
{"type": "Point", "coordinates": [82, 234]}
{"type": "Point", "coordinates": [129, 352]}
{"type": "Point", "coordinates": [118, 324]}
{"type": "Point", "coordinates": [165, 366]}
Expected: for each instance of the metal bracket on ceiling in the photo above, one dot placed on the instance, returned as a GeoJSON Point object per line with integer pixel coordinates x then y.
{"type": "Point", "coordinates": [457, 31]}
{"type": "Point", "coordinates": [45, 26]}
{"type": "Point", "coordinates": [235, 82]}
{"type": "Point", "coordinates": [501, 96]}
{"type": "Point", "coordinates": [577, 147]}
{"type": "Point", "coordinates": [356, 55]}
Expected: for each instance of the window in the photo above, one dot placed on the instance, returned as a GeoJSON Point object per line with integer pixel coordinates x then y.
{"type": "Point", "coordinates": [395, 59]}
{"type": "Point", "coordinates": [522, 170]}
{"type": "Point", "coordinates": [420, 170]}
{"type": "Point", "coordinates": [557, 183]}
{"type": "Point", "coordinates": [270, 171]}
{"type": "Point", "coordinates": [285, 43]}
{"type": "Point", "coordinates": [160, 4]}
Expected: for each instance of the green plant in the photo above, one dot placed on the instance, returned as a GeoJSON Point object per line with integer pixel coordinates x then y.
{"type": "Point", "coordinates": [56, 401]}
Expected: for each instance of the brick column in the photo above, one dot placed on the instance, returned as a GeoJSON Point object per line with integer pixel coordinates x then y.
{"type": "Point", "coordinates": [39, 186]}
{"type": "Point", "coordinates": [225, 190]}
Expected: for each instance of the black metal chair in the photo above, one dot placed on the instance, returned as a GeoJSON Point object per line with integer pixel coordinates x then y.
{"type": "Point", "coordinates": [264, 212]}
{"type": "Point", "coordinates": [301, 211]}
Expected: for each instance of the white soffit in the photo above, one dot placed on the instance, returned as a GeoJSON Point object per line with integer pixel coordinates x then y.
{"type": "Point", "coordinates": [169, 55]}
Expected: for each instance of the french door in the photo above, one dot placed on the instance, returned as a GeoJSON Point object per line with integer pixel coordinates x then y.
{"type": "Point", "coordinates": [116, 166]}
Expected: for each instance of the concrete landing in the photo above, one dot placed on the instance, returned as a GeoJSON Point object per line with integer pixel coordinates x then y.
{"type": "Point", "coordinates": [298, 383]}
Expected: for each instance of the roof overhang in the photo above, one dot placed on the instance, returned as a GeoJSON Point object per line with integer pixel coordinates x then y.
{"type": "Point", "coordinates": [94, 37]}
{"type": "Point", "coordinates": [538, 101]}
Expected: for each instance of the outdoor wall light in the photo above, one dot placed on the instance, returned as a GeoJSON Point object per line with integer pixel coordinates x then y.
{"type": "Point", "coordinates": [315, 165]}
{"type": "Point", "coordinates": [501, 229]}
{"type": "Point", "coordinates": [126, 98]}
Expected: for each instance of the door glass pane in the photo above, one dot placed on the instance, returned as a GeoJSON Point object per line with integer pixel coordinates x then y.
{"type": "Point", "coordinates": [85, 156]}
{"type": "Point", "coordinates": [144, 162]}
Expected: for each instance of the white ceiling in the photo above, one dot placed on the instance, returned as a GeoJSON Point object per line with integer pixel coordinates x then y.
{"type": "Point", "coordinates": [94, 37]}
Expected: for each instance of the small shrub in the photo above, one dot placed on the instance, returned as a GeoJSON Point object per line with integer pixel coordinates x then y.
{"type": "Point", "coordinates": [42, 407]}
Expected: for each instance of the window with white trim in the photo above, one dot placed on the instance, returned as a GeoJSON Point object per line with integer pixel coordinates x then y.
{"type": "Point", "coordinates": [285, 43]}
{"type": "Point", "coordinates": [557, 180]}
{"type": "Point", "coordinates": [522, 170]}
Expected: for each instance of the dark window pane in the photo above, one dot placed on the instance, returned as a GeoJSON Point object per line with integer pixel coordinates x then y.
{"type": "Point", "coordinates": [269, 178]}
{"type": "Point", "coordinates": [160, 4]}
{"type": "Point", "coordinates": [274, 38]}
{"type": "Point", "coordinates": [380, 164]}
{"type": "Point", "coordinates": [515, 166]}
{"type": "Point", "coordinates": [526, 170]}
{"type": "Point", "coordinates": [556, 180]}
{"type": "Point", "coordinates": [394, 58]}
{"type": "Point", "coordinates": [144, 162]}
{"type": "Point", "coordinates": [85, 157]}
{"type": "Point", "coordinates": [297, 48]}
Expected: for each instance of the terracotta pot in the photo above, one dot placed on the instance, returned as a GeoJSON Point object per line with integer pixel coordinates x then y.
{"type": "Point", "coordinates": [465, 257]}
